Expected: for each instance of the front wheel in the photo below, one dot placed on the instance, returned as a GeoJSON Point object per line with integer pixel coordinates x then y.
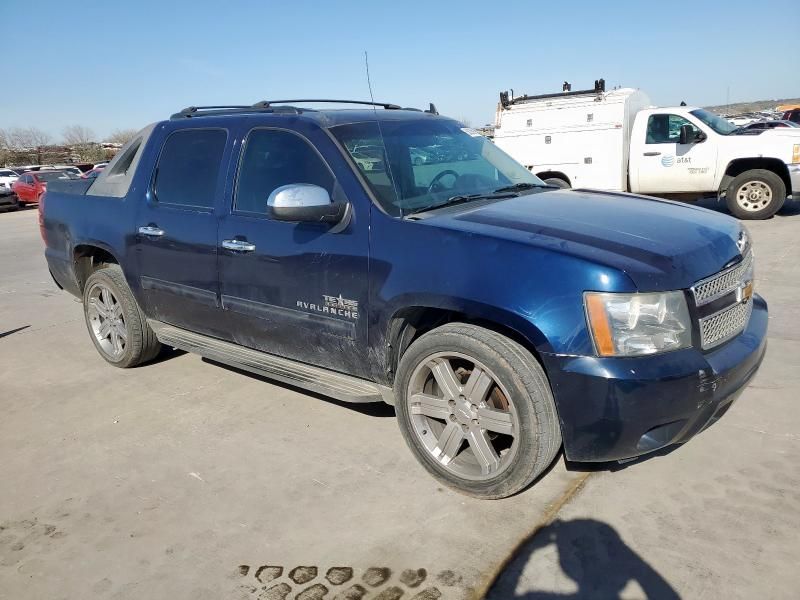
{"type": "Point", "coordinates": [116, 325]}
{"type": "Point", "coordinates": [558, 182]}
{"type": "Point", "coordinates": [476, 410]}
{"type": "Point", "coordinates": [755, 194]}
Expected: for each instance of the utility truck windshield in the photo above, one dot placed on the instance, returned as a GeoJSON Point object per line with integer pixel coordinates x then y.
{"type": "Point", "coordinates": [717, 123]}
{"type": "Point", "coordinates": [418, 165]}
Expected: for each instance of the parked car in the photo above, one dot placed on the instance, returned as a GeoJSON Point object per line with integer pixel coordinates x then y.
{"type": "Point", "coordinates": [367, 162]}
{"type": "Point", "coordinates": [71, 169]}
{"type": "Point", "coordinates": [31, 185]}
{"type": "Point", "coordinates": [101, 164]}
{"type": "Point", "coordinates": [419, 157]}
{"type": "Point", "coordinates": [8, 201]}
{"type": "Point", "coordinates": [792, 115]}
{"type": "Point", "coordinates": [617, 140]}
{"type": "Point", "coordinates": [7, 177]}
{"type": "Point", "coordinates": [502, 317]}
{"type": "Point", "coordinates": [92, 174]}
{"type": "Point", "coordinates": [764, 125]}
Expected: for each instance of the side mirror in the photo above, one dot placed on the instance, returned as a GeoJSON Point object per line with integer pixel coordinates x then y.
{"type": "Point", "coordinates": [304, 203]}
{"type": "Point", "coordinates": [690, 135]}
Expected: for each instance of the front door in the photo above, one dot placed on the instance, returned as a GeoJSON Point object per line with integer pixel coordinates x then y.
{"type": "Point", "coordinates": [176, 230]}
{"type": "Point", "coordinates": [666, 165]}
{"type": "Point", "coordinates": [298, 290]}
{"type": "Point", "coordinates": [24, 188]}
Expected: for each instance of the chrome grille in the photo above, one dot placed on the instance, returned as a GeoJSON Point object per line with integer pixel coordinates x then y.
{"type": "Point", "coordinates": [722, 326]}
{"type": "Point", "coordinates": [722, 283]}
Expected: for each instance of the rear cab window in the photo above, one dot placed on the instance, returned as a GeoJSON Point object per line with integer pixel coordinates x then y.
{"type": "Point", "coordinates": [188, 168]}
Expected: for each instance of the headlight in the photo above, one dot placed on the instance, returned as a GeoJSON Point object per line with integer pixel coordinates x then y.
{"type": "Point", "coordinates": [635, 324]}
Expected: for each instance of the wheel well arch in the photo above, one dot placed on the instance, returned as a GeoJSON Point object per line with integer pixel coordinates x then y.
{"type": "Point", "coordinates": [738, 166]}
{"type": "Point", "coordinates": [555, 175]}
{"type": "Point", "coordinates": [86, 258]}
{"type": "Point", "coordinates": [408, 324]}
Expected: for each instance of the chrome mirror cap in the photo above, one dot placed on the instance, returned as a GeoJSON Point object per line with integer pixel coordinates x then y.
{"type": "Point", "coordinates": [299, 195]}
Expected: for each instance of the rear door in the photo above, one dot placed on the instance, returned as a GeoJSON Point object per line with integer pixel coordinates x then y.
{"type": "Point", "coordinates": [667, 166]}
{"type": "Point", "coordinates": [298, 290]}
{"type": "Point", "coordinates": [176, 229]}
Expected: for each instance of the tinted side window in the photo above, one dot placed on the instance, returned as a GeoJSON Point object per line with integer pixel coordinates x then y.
{"type": "Point", "coordinates": [272, 159]}
{"type": "Point", "coordinates": [189, 166]}
{"type": "Point", "coordinates": [665, 129]}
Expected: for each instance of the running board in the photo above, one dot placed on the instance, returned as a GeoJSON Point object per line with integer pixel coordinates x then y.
{"type": "Point", "coordinates": [316, 379]}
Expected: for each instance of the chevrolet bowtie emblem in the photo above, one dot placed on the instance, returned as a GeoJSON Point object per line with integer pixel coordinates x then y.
{"type": "Point", "coordinates": [744, 292]}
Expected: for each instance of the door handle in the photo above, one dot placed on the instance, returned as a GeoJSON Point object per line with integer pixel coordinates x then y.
{"type": "Point", "coordinates": [151, 231]}
{"type": "Point", "coordinates": [652, 153]}
{"type": "Point", "coordinates": [238, 245]}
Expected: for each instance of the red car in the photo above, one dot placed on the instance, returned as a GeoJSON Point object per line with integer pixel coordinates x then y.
{"type": "Point", "coordinates": [31, 185]}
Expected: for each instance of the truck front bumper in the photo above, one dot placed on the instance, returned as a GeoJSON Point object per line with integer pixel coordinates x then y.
{"type": "Point", "coordinates": [794, 177]}
{"type": "Point", "coordinates": [618, 408]}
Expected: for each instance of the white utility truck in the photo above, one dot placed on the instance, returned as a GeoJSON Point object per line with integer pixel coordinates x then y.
{"type": "Point", "coordinates": [615, 140]}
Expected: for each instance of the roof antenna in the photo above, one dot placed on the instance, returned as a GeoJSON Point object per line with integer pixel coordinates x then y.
{"type": "Point", "coordinates": [383, 140]}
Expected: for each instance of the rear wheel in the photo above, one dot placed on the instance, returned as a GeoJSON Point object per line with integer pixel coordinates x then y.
{"type": "Point", "coordinates": [476, 410]}
{"type": "Point", "coordinates": [755, 194]}
{"type": "Point", "coordinates": [116, 325]}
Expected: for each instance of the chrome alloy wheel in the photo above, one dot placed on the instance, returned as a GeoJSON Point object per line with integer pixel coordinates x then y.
{"type": "Point", "coordinates": [107, 321]}
{"type": "Point", "coordinates": [753, 195]}
{"type": "Point", "coordinates": [463, 416]}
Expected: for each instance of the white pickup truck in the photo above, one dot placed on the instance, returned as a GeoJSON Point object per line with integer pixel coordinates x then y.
{"type": "Point", "coordinates": [615, 140]}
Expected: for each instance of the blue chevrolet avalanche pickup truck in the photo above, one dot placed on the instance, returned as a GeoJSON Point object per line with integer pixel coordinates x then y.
{"type": "Point", "coordinates": [388, 254]}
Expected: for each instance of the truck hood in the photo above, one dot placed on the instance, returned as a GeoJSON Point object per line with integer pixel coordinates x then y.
{"type": "Point", "coordinates": [659, 244]}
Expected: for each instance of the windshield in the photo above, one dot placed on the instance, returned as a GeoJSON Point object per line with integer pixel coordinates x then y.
{"type": "Point", "coordinates": [717, 123]}
{"type": "Point", "coordinates": [51, 175]}
{"type": "Point", "coordinates": [430, 161]}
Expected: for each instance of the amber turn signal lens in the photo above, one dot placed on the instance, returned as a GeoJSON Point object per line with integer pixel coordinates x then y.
{"type": "Point", "coordinates": [598, 318]}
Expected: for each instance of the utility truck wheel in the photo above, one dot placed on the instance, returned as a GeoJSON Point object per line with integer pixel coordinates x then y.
{"type": "Point", "coordinates": [116, 324]}
{"type": "Point", "coordinates": [476, 410]}
{"type": "Point", "coordinates": [755, 194]}
{"type": "Point", "coordinates": [557, 181]}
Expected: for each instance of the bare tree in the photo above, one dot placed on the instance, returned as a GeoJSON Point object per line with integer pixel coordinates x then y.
{"type": "Point", "coordinates": [27, 138]}
{"type": "Point", "coordinates": [121, 136]}
{"type": "Point", "coordinates": [78, 135]}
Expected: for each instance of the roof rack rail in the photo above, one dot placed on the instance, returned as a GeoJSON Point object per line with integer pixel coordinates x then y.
{"type": "Point", "coordinates": [599, 88]}
{"type": "Point", "coordinates": [196, 111]}
{"type": "Point", "coordinates": [268, 103]}
{"type": "Point", "coordinates": [269, 106]}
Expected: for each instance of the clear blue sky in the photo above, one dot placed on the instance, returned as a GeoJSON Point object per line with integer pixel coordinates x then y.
{"type": "Point", "coordinates": [113, 64]}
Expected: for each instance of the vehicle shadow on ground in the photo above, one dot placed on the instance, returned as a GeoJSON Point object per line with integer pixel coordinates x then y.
{"type": "Point", "coordinates": [371, 409]}
{"type": "Point", "coordinates": [590, 553]}
{"type": "Point", "coordinates": [791, 208]}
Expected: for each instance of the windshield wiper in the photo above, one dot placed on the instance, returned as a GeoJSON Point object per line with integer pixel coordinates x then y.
{"type": "Point", "coordinates": [461, 199]}
{"type": "Point", "coordinates": [521, 187]}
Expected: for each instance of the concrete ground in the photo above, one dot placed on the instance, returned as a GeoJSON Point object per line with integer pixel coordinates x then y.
{"type": "Point", "coordinates": [187, 479]}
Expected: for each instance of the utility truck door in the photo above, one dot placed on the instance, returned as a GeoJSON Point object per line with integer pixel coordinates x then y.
{"type": "Point", "coordinates": [665, 162]}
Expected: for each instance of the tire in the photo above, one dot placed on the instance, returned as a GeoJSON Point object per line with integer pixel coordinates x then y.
{"type": "Point", "coordinates": [755, 194]}
{"type": "Point", "coordinates": [140, 343]}
{"type": "Point", "coordinates": [515, 413]}
{"type": "Point", "coordinates": [558, 182]}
